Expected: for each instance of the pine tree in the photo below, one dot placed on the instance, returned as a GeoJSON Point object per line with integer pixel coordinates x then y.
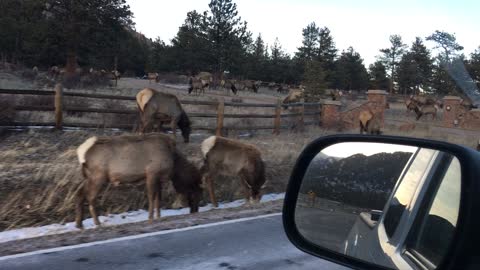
{"type": "Point", "coordinates": [473, 66]}
{"type": "Point", "coordinates": [378, 76]}
{"type": "Point", "coordinates": [227, 34]}
{"type": "Point", "coordinates": [326, 54]}
{"type": "Point", "coordinates": [191, 47]}
{"type": "Point", "coordinates": [415, 69]}
{"type": "Point", "coordinates": [350, 72]}
{"type": "Point", "coordinates": [314, 81]}
{"type": "Point", "coordinates": [391, 57]}
{"type": "Point", "coordinates": [446, 71]}
{"type": "Point", "coordinates": [309, 47]}
{"type": "Point", "coordinates": [446, 42]}
{"type": "Point", "coordinates": [78, 24]}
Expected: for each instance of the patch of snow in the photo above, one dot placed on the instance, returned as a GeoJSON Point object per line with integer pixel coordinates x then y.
{"type": "Point", "coordinates": [117, 219]}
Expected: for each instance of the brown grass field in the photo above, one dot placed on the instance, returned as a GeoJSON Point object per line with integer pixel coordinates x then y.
{"type": "Point", "coordinates": [39, 171]}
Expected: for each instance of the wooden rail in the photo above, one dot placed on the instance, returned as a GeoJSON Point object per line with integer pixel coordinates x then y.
{"type": "Point", "coordinates": [59, 96]}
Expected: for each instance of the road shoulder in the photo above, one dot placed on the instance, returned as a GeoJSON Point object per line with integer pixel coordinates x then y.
{"type": "Point", "coordinates": [167, 223]}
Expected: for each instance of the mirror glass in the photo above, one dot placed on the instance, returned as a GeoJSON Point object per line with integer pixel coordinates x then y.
{"type": "Point", "coordinates": [382, 203]}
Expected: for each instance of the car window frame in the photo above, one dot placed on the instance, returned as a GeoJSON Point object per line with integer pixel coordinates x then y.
{"type": "Point", "coordinates": [413, 256]}
{"type": "Point", "coordinates": [394, 245]}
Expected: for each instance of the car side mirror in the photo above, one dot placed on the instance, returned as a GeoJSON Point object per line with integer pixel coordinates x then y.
{"type": "Point", "coordinates": [382, 202]}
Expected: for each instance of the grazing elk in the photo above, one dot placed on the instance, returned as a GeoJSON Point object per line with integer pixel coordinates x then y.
{"type": "Point", "coordinates": [369, 122]}
{"type": "Point", "coordinates": [283, 88]}
{"type": "Point", "coordinates": [153, 77]}
{"type": "Point", "coordinates": [250, 85]}
{"type": "Point", "coordinates": [197, 85]}
{"type": "Point", "coordinates": [151, 102]}
{"type": "Point", "coordinates": [231, 157]}
{"type": "Point", "coordinates": [151, 158]}
{"type": "Point", "coordinates": [230, 84]}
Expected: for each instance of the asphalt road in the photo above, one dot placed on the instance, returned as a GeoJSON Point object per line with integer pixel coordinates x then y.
{"type": "Point", "coordinates": [249, 244]}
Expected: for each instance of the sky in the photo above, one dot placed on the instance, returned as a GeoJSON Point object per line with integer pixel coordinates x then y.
{"type": "Point", "coordinates": [347, 149]}
{"type": "Point", "coordinates": [364, 25]}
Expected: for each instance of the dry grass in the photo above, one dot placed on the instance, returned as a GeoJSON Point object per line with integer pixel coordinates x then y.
{"type": "Point", "coordinates": [39, 175]}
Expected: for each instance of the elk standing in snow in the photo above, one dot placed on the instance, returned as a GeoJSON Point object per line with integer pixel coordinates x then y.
{"type": "Point", "coordinates": [231, 157]}
{"type": "Point", "coordinates": [150, 158]}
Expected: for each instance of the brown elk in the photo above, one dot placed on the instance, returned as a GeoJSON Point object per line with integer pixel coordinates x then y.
{"type": "Point", "coordinates": [295, 95]}
{"type": "Point", "coordinates": [336, 94]}
{"type": "Point", "coordinates": [283, 88]}
{"type": "Point", "coordinates": [231, 157]}
{"type": "Point", "coordinates": [54, 72]}
{"type": "Point", "coordinates": [311, 197]}
{"type": "Point", "coordinates": [250, 85]}
{"type": "Point", "coordinates": [369, 122]}
{"type": "Point", "coordinates": [153, 77]}
{"type": "Point", "coordinates": [425, 110]}
{"type": "Point", "coordinates": [151, 103]}
{"type": "Point", "coordinates": [410, 104]}
{"type": "Point", "coordinates": [230, 84]}
{"type": "Point", "coordinates": [151, 158]}
{"type": "Point", "coordinates": [272, 86]}
{"type": "Point", "coordinates": [116, 76]}
{"type": "Point", "coordinates": [197, 85]}
{"type": "Point", "coordinates": [423, 100]}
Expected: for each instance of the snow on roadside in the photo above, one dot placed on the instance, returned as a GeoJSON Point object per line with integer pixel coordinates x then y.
{"type": "Point", "coordinates": [117, 219]}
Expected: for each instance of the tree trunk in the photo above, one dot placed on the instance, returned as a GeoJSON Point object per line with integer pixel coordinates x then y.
{"type": "Point", "coordinates": [391, 80]}
{"type": "Point", "coordinates": [115, 63]}
{"type": "Point", "coordinates": [71, 64]}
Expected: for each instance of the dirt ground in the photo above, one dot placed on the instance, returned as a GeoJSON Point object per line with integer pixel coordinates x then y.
{"type": "Point", "coordinates": [167, 223]}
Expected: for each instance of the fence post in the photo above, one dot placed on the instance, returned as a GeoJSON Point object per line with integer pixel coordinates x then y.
{"type": "Point", "coordinates": [58, 106]}
{"type": "Point", "coordinates": [319, 114]}
{"type": "Point", "coordinates": [301, 120]}
{"type": "Point", "coordinates": [276, 123]}
{"type": "Point", "coordinates": [220, 112]}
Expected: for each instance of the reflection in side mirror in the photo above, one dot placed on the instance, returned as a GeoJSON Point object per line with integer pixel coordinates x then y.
{"type": "Point", "coordinates": [381, 203]}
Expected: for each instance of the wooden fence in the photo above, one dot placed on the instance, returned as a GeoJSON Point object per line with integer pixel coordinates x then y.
{"type": "Point", "coordinates": [59, 96]}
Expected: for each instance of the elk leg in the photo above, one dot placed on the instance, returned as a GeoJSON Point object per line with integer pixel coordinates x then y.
{"type": "Point", "coordinates": [93, 188]}
{"type": "Point", "coordinates": [158, 197]}
{"type": "Point", "coordinates": [174, 128]}
{"type": "Point", "coordinates": [248, 191]}
{"type": "Point", "coordinates": [147, 122]}
{"type": "Point", "coordinates": [210, 190]}
{"type": "Point", "coordinates": [151, 194]}
{"type": "Point", "coordinates": [79, 208]}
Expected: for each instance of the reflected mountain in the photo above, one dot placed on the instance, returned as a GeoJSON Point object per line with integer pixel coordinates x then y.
{"type": "Point", "coordinates": [364, 181]}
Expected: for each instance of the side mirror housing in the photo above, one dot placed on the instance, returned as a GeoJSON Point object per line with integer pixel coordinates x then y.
{"type": "Point", "coordinates": [385, 202]}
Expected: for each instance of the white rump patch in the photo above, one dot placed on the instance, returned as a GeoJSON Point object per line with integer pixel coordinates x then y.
{"type": "Point", "coordinates": [83, 148]}
{"type": "Point", "coordinates": [207, 145]}
{"type": "Point", "coordinates": [143, 97]}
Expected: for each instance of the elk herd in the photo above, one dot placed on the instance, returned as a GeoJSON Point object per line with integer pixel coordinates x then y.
{"type": "Point", "coordinates": [199, 83]}
{"type": "Point", "coordinates": [154, 159]}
